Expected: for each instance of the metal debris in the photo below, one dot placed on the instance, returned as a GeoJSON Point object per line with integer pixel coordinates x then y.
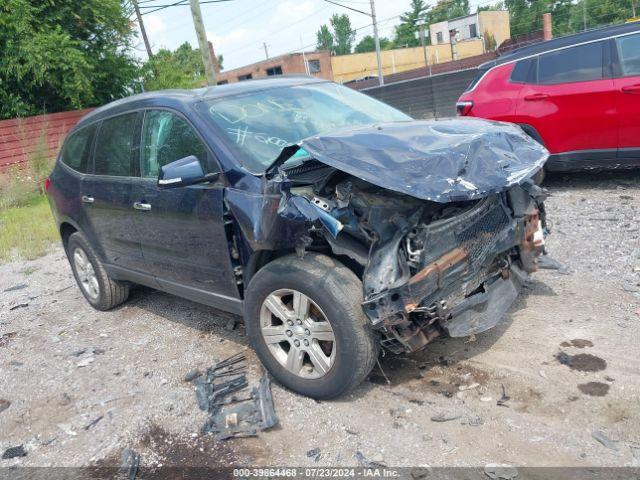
{"type": "Point", "coordinates": [14, 452]}
{"type": "Point", "coordinates": [234, 415]}
{"type": "Point", "coordinates": [93, 422]}
{"type": "Point", "coordinates": [4, 404]}
{"type": "Point", "coordinates": [130, 461]}
{"type": "Point", "coordinates": [502, 401]}
{"type": "Point", "coordinates": [604, 440]}
{"type": "Point", "coordinates": [20, 286]}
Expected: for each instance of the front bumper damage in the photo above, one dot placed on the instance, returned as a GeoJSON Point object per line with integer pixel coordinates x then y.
{"type": "Point", "coordinates": [478, 262]}
{"type": "Point", "coordinates": [444, 252]}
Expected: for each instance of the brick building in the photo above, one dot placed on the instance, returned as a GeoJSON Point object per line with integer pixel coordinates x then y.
{"type": "Point", "coordinates": [318, 63]}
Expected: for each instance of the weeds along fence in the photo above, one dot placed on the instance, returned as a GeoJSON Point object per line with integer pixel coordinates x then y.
{"type": "Point", "coordinates": [23, 138]}
{"type": "Point", "coordinates": [425, 97]}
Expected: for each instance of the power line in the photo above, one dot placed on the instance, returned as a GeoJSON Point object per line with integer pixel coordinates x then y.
{"type": "Point", "coordinates": [180, 3]}
{"type": "Point", "coordinates": [348, 8]}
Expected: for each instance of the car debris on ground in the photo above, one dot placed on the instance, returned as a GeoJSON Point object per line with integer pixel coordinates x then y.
{"type": "Point", "coordinates": [233, 414]}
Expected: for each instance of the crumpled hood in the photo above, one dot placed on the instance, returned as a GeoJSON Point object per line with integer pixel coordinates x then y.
{"type": "Point", "coordinates": [439, 160]}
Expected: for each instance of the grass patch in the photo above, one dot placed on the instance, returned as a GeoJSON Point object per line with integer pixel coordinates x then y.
{"type": "Point", "coordinates": [26, 230]}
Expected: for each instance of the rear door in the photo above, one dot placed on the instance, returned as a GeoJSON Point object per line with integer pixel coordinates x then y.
{"type": "Point", "coordinates": [182, 230]}
{"type": "Point", "coordinates": [627, 89]}
{"type": "Point", "coordinates": [572, 103]}
{"type": "Point", "coordinates": [106, 195]}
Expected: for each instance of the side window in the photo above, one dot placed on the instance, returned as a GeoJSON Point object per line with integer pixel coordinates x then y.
{"type": "Point", "coordinates": [629, 54]}
{"type": "Point", "coordinates": [114, 146]}
{"type": "Point", "coordinates": [166, 137]}
{"type": "Point", "coordinates": [524, 71]}
{"type": "Point", "coordinates": [77, 149]}
{"type": "Point", "coordinates": [575, 64]}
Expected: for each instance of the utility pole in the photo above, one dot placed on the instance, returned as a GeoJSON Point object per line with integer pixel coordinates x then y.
{"type": "Point", "coordinates": [424, 48]}
{"type": "Point", "coordinates": [209, 72]}
{"type": "Point", "coordinates": [266, 52]}
{"type": "Point", "coordinates": [633, 8]}
{"type": "Point", "coordinates": [377, 41]}
{"type": "Point", "coordinates": [584, 14]}
{"type": "Point", "coordinates": [142, 30]}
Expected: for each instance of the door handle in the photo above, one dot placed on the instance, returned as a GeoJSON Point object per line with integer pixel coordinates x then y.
{"type": "Point", "coordinates": [142, 206]}
{"type": "Point", "coordinates": [631, 89]}
{"type": "Point", "coordinates": [536, 97]}
{"type": "Point", "coordinates": [87, 199]}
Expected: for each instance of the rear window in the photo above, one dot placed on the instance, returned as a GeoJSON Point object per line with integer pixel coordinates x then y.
{"type": "Point", "coordinates": [575, 64]}
{"type": "Point", "coordinates": [114, 146]}
{"type": "Point", "coordinates": [76, 150]}
{"type": "Point", "coordinates": [629, 53]}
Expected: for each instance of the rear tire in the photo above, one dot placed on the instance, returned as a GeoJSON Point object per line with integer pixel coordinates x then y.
{"type": "Point", "coordinates": [102, 292]}
{"type": "Point", "coordinates": [333, 294]}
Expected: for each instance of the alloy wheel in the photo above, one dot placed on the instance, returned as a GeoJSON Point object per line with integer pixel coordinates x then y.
{"type": "Point", "coordinates": [86, 273]}
{"type": "Point", "coordinates": [298, 333]}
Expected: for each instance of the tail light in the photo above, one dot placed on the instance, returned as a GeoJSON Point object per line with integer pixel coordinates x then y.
{"type": "Point", "coordinates": [464, 108]}
{"type": "Point", "coordinates": [47, 184]}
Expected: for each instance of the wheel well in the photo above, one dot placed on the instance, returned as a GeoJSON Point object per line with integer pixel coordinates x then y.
{"type": "Point", "coordinates": [66, 230]}
{"type": "Point", "coordinates": [261, 258]}
{"type": "Point", "coordinates": [532, 132]}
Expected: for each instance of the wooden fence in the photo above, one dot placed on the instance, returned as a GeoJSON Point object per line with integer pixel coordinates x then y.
{"type": "Point", "coordinates": [21, 138]}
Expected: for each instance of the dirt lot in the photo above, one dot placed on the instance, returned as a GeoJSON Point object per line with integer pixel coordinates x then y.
{"type": "Point", "coordinates": [133, 394]}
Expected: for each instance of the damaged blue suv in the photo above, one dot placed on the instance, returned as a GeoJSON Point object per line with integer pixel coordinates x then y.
{"type": "Point", "coordinates": [334, 224]}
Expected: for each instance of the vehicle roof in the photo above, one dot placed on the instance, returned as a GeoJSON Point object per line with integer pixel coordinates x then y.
{"type": "Point", "coordinates": [566, 41]}
{"type": "Point", "coordinates": [187, 97]}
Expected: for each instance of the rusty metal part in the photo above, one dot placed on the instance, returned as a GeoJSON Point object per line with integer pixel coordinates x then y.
{"type": "Point", "coordinates": [531, 248]}
{"type": "Point", "coordinates": [437, 267]}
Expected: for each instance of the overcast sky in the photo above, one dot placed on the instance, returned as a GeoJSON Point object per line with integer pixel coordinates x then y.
{"type": "Point", "coordinates": [238, 28]}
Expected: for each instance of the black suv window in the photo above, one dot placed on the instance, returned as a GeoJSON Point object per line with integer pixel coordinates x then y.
{"type": "Point", "coordinates": [575, 64]}
{"type": "Point", "coordinates": [524, 71]}
{"type": "Point", "coordinates": [114, 146]}
{"type": "Point", "coordinates": [166, 137]}
{"type": "Point", "coordinates": [629, 53]}
{"type": "Point", "coordinates": [76, 150]}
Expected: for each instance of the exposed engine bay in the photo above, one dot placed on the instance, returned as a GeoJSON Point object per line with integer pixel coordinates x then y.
{"type": "Point", "coordinates": [430, 262]}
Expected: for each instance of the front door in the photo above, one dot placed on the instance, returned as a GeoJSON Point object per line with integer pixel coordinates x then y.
{"type": "Point", "coordinates": [181, 230]}
{"type": "Point", "coordinates": [627, 88]}
{"type": "Point", "coordinates": [106, 195]}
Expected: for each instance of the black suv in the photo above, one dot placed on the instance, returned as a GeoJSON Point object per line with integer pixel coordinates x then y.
{"type": "Point", "coordinates": [335, 224]}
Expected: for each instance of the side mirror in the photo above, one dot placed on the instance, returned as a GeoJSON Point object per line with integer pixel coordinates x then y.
{"type": "Point", "coordinates": [183, 172]}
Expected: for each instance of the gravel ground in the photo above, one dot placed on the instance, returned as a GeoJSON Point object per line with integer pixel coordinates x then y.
{"type": "Point", "coordinates": [76, 409]}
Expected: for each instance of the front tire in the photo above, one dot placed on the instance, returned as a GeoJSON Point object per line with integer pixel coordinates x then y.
{"type": "Point", "coordinates": [102, 292]}
{"type": "Point", "coordinates": [305, 321]}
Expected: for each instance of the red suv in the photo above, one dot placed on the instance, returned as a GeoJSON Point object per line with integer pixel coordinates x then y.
{"type": "Point", "coordinates": [578, 95]}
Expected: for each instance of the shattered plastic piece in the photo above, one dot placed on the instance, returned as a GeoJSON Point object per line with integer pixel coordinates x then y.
{"type": "Point", "coordinates": [18, 305]}
{"type": "Point", "coordinates": [502, 401]}
{"type": "Point", "coordinates": [604, 440]}
{"type": "Point", "coordinates": [14, 452]}
{"type": "Point", "coordinates": [314, 453]}
{"type": "Point", "coordinates": [362, 460]}
{"type": "Point", "coordinates": [130, 461]}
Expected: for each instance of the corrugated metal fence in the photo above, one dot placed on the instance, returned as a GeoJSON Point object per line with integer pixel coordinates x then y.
{"type": "Point", "coordinates": [426, 97]}
{"type": "Point", "coordinates": [21, 138]}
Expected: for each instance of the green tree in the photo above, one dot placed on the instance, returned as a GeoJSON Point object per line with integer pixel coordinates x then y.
{"type": "Point", "coordinates": [182, 68]}
{"type": "Point", "coordinates": [339, 40]}
{"type": "Point", "coordinates": [447, 9]}
{"type": "Point", "coordinates": [406, 33]}
{"type": "Point", "coordinates": [63, 54]}
{"type": "Point", "coordinates": [325, 39]}
{"type": "Point", "coordinates": [368, 44]}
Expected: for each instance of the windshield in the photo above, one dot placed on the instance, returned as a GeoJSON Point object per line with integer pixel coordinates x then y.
{"type": "Point", "coordinates": [259, 124]}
